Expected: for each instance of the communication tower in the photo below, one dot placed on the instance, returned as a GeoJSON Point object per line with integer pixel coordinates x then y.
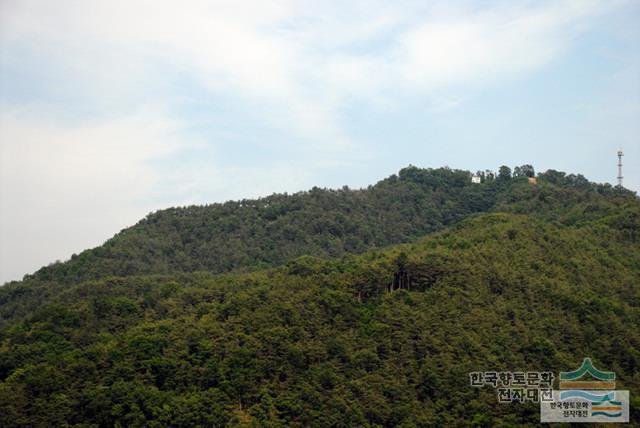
{"type": "Point", "coordinates": [620, 154]}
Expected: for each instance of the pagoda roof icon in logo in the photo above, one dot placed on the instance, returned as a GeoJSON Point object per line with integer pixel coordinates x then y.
{"type": "Point", "coordinates": [597, 379]}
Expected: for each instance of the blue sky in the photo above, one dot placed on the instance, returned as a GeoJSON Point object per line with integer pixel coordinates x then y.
{"type": "Point", "coordinates": [109, 110]}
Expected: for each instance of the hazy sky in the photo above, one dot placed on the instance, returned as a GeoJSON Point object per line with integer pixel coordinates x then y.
{"type": "Point", "coordinates": [111, 109]}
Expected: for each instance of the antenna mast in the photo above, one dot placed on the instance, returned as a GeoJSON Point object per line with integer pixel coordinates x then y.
{"type": "Point", "coordinates": [620, 154]}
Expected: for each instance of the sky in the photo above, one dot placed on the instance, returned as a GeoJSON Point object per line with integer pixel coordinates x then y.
{"type": "Point", "coordinates": [112, 109]}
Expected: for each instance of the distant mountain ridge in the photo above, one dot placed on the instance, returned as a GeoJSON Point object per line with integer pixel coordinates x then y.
{"type": "Point", "coordinates": [253, 234]}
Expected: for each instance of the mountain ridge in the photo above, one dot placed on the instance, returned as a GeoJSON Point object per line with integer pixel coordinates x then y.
{"type": "Point", "coordinates": [330, 223]}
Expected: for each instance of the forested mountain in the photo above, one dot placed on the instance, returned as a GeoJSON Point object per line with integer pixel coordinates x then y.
{"type": "Point", "coordinates": [253, 234]}
{"type": "Point", "coordinates": [284, 311]}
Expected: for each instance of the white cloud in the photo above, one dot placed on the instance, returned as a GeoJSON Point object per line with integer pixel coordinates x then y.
{"type": "Point", "coordinates": [486, 46]}
{"type": "Point", "coordinates": [300, 60]}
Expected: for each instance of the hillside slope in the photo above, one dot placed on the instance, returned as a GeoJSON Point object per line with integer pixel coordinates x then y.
{"type": "Point", "coordinates": [336, 343]}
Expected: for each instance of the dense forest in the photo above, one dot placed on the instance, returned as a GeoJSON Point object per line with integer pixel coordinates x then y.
{"type": "Point", "coordinates": [337, 308]}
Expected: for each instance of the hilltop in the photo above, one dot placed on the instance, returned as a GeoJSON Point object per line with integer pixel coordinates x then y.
{"type": "Point", "coordinates": [260, 233]}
